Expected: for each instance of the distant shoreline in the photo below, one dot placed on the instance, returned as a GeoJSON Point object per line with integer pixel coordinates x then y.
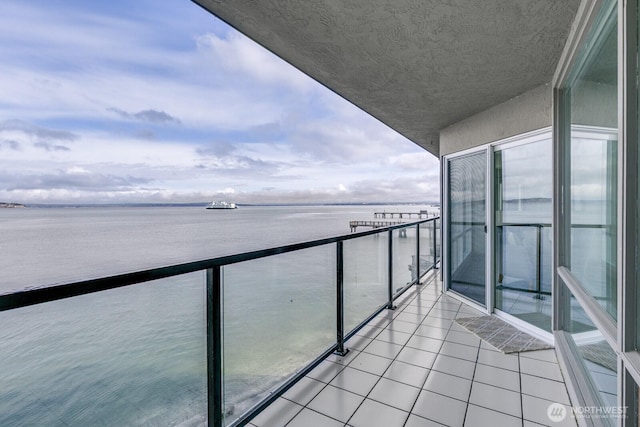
{"type": "Point", "coordinates": [200, 204]}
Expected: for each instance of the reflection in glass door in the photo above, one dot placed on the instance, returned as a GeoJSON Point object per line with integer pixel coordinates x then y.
{"type": "Point", "coordinates": [467, 225]}
{"type": "Point", "coordinates": [522, 193]}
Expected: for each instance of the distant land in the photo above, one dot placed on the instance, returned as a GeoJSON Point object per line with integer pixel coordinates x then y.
{"type": "Point", "coordinates": [200, 204]}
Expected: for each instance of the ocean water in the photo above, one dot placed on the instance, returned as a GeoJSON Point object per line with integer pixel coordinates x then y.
{"type": "Point", "coordinates": [135, 356]}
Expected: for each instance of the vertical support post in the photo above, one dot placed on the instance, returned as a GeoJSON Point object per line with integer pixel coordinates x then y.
{"type": "Point", "coordinates": [341, 351]}
{"type": "Point", "coordinates": [435, 245]}
{"type": "Point", "coordinates": [390, 305]}
{"type": "Point", "coordinates": [215, 396]}
{"type": "Point", "coordinates": [418, 253]}
{"type": "Point", "coordinates": [561, 301]}
{"type": "Point", "coordinates": [539, 260]}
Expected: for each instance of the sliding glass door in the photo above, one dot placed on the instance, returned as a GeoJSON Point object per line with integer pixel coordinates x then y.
{"type": "Point", "coordinates": [467, 225]}
{"type": "Point", "coordinates": [499, 234]}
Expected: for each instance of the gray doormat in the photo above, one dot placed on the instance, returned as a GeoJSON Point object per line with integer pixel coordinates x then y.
{"type": "Point", "coordinates": [501, 335]}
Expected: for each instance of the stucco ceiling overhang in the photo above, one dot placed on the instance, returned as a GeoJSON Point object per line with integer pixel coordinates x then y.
{"type": "Point", "coordinates": [416, 65]}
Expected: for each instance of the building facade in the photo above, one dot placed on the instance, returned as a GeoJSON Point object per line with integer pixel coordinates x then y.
{"type": "Point", "coordinates": [541, 210]}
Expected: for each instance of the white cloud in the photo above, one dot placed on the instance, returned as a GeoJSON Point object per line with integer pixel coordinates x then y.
{"type": "Point", "coordinates": [415, 161]}
{"type": "Point", "coordinates": [117, 108]}
{"type": "Point", "coordinates": [239, 55]}
{"type": "Point", "coordinates": [77, 170]}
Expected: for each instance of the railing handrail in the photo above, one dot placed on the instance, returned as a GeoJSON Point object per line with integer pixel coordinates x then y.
{"type": "Point", "coordinates": [524, 224]}
{"type": "Point", "coordinates": [54, 292]}
{"type": "Point", "coordinates": [528, 224]}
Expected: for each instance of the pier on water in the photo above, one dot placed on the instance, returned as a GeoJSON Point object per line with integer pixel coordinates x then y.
{"type": "Point", "coordinates": [420, 215]}
{"type": "Point", "coordinates": [353, 225]}
{"type": "Point", "coordinates": [373, 224]}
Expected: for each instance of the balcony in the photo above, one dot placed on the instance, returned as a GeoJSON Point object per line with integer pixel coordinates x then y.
{"type": "Point", "coordinates": [415, 367]}
{"type": "Point", "coordinates": [337, 357]}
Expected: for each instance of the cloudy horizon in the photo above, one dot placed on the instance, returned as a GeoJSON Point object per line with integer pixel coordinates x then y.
{"type": "Point", "coordinates": [111, 103]}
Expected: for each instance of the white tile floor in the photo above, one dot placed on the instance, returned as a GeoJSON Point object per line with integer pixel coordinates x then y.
{"type": "Point", "coordinates": [415, 367]}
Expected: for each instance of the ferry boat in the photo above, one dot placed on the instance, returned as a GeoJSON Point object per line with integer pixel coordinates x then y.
{"type": "Point", "coordinates": [221, 205]}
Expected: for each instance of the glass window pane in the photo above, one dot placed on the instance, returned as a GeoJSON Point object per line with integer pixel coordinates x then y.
{"type": "Point", "coordinates": [467, 233]}
{"type": "Point", "coordinates": [637, 320]}
{"type": "Point", "coordinates": [593, 95]}
{"type": "Point", "coordinates": [593, 218]}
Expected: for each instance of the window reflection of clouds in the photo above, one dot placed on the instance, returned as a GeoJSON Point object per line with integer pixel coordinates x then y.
{"type": "Point", "coordinates": [589, 168]}
{"type": "Point", "coordinates": [528, 168]}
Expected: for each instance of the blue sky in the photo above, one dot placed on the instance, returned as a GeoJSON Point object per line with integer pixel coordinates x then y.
{"type": "Point", "coordinates": [162, 102]}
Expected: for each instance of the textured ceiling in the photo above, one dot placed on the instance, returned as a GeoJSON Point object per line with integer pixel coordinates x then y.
{"type": "Point", "coordinates": [416, 65]}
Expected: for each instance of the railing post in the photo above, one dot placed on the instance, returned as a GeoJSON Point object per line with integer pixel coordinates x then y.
{"type": "Point", "coordinates": [340, 299]}
{"type": "Point", "coordinates": [418, 254]}
{"type": "Point", "coordinates": [390, 305]}
{"type": "Point", "coordinates": [215, 396]}
{"type": "Point", "coordinates": [539, 261]}
{"type": "Point", "coordinates": [435, 244]}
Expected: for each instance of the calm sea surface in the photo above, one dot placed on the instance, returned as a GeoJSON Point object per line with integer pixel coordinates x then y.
{"type": "Point", "coordinates": [136, 355]}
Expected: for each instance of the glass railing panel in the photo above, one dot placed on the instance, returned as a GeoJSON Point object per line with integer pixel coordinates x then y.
{"type": "Point", "coordinates": [129, 356]}
{"type": "Point", "coordinates": [546, 248]}
{"type": "Point", "coordinates": [517, 267]}
{"type": "Point", "coordinates": [523, 272]}
{"type": "Point", "coordinates": [438, 242]}
{"type": "Point", "coordinates": [427, 246]}
{"type": "Point", "coordinates": [365, 266]}
{"type": "Point", "coordinates": [404, 252]}
{"type": "Point", "coordinates": [279, 315]}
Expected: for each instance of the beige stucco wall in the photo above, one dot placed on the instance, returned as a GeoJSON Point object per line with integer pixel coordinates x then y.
{"type": "Point", "coordinates": [530, 111]}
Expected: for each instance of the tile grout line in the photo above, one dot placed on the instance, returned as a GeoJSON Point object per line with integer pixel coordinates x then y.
{"type": "Point", "coordinates": [392, 360]}
{"type": "Point", "coordinates": [475, 367]}
{"type": "Point", "coordinates": [428, 373]}
{"type": "Point", "coordinates": [327, 384]}
{"type": "Point", "coordinates": [431, 369]}
{"type": "Point", "coordinates": [521, 394]}
{"type": "Point", "coordinates": [306, 406]}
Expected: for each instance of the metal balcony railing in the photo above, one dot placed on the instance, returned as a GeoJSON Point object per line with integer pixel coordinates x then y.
{"type": "Point", "coordinates": [424, 257]}
{"type": "Point", "coordinates": [537, 252]}
{"type": "Point", "coordinates": [527, 257]}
